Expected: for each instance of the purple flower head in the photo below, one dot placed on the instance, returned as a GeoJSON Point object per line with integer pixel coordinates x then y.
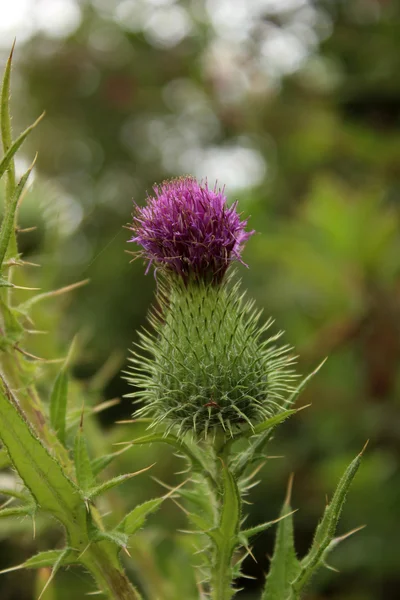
{"type": "Point", "coordinates": [187, 228]}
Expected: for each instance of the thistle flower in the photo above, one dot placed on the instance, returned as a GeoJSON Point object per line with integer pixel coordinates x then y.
{"type": "Point", "coordinates": [188, 229]}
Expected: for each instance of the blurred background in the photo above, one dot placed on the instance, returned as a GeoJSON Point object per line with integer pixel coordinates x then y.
{"type": "Point", "coordinates": [294, 105]}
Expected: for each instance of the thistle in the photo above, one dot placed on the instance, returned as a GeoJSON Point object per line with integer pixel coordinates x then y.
{"type": "Point", "coordinates": [205, 365]}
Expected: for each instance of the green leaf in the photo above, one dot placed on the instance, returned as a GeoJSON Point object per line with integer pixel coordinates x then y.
{"type": "Point", "coordinates": [17, 511]}
{"type": "Point", "coordinates": [19, 495]}
{"type": "Point", "coordinates": [273, 421]}
{"type": "Point", "coordinates": [284, 565]}
{"type": "Point", "coordinates": [4, 459]}
{"type": "Point", "coordinates": [246, 534]}
{"type": "Point", "coordinates": [49, 558]}
{"type": "Point", "coordinates": [261, 427]}
{"type": "Point", "coordinates": [13, 329]}
{"type": "Point", "coordinates": [137, 517]}
{"type": "Point", "coordinates": [101, 462]}
{"type": "Point", "coordinates": [43, 476]}
{"type": "Point", "coordinates": [6, 160]}
{"type": "Point", "coordinates": [5, 124]}
{"type": "Point", "coordinates": [230, 514]}
{"type": "Point", "coordinates": [118, 538]}
{"type": "Point", "coordinates": [58, 405]}
{"type": "Point", "coordinates": [303, 384]}
{"type": "Point", "coordinates": [176, 443]}
{"type": "Point", "coordinates": [7, 226]}
{"type": "Point", "coordinates": [83, 468]}
{"type": "Point", "coordinates": [326, 529]}
{"type": "Point", "coordinates": [111, 483]}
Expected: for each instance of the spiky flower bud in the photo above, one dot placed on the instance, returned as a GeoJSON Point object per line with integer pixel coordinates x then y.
{"type": "Point", "coordinates": [188, 229]}
{"type": "Point", "coordinates": [205, 365]}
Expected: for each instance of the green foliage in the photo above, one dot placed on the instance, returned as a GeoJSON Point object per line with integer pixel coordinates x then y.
{"type": "Point", "coordinates": [58, 404]}
{"type": "Point", "coordinates": [325, 532]}
{"type": "Point", "coordinates": [137, 517]}
{"type": "Point", "coordinates": [284, 564]}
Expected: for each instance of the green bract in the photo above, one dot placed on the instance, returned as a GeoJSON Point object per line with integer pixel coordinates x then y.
{"type": "Point", "coordinates": [206, 364]}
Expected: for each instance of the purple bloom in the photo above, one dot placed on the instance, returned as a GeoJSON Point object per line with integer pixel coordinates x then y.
{"type": "Point", "coordinates": [187, 228]}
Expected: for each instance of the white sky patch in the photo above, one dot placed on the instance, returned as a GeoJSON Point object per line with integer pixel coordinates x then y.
{"type": "Point", "coordinates": [237, 167]}
{"type": "Point", "coordinates": [167, 26]}
{"type": "Point", "coordinates": [23, 18]}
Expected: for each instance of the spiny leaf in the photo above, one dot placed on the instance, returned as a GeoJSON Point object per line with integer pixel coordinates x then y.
{"type": "Point", "coordinates": [17, 511]}
{"type": "Point", "coordinates": [273, 421]}
{"type": "Point", "coordinates": [230, 514]}
{"type": "Point", "coordinates": [248, 533]}
{"type": "Point", "coordinates": [19, 495]}
{"type": "Point", "coordinates": [264, 426]}
{"type": "Point", "coordinates": [176, 443]}
{"type": "Point", "coordinates": [41, 473]}
{"type": "Point", "coordinates": [111, 483]}
{"type": "Point", "coordinates": [58, 405]}
{"type": "Point", "coordinates": [83, 468]}
{"type": "Point", "coordinates": [25, 306]}
{"type": "Point", "coordinates": [137, 517]}
{"type": "Point", "coordinates": [6, 160]}
{"type": "Point", "coordinates": [303, 384]}
{"type": "Point", "coordinates": [54, 570]}
{"type": "Point", "coordinates": [101, 462]}
{"type": "Point", "coordinates": [118, 538]}
{"type": "Point", "coordinates": [4, 459]}
{"type": "Point", "coordinates": [326, 529]}
{"type": "Point", "coordinates": [284, 564]}
{"type": "Point", "coordinates": [7, 226]}
{"type": "Point", "coordinates": [5, 124]}
{"type": "Point", "coordinates": [49, 558]}
{"type": "Point", "coordinates": [13, 329]}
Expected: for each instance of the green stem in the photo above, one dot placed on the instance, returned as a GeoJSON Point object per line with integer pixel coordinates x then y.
{"type": "Point", "coordinates": [226, 538]}
{"type": "Point", "coordinates": [108, 574]}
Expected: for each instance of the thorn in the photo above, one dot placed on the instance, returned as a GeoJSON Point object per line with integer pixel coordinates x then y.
{"type": "Point", "coordinates": [106, 404]}
{"type": "Point", "coordinates": [181, 507]}
{"type": "Point", "coordinates": [34, 526]}
{"type": "Point", "coordinates": [303, 407]}
{"type": "Point", "coordinates": [330, 567]}
{"type": "Point", "coordinates": [71, 350]}
{"type": "Point", "coordinates": [83, 552]}
{"type": "Point", "coordinates": [289, 489]}
{"type": "Point", "coordinates": [29, 355]}
{"type": "Point", "coordinates": [12, 50]}
{"type": "Point", "coordinates": [23, 287]}
{"type": "Point", "coordinates": [36, 332]}
{"type": "Point", "coordinates": [26, 230]}
{"type": "Point", "coordinates": [339, 539]}
{"type": "Point", "coordinates": [82, 415]}
{"type": "Point", "coordinates": [12, 569]}
{"type": "Point", "coordinates": [126, 421]}
{"type": "Point", "coordinates": [125, 549]}
{"type": "Point", "coordinates": [249, 552]}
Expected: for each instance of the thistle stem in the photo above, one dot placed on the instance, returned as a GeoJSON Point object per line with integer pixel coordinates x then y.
{"type": "Point", "coordinates": [229, 510]}
{"type": "Point", "coordinates": [109, 576]}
